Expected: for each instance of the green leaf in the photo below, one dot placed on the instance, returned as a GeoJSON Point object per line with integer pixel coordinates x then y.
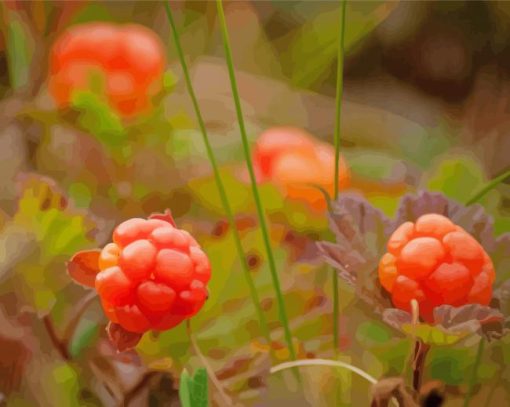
{"type": "Point", "coordinates": [58, 230]}
{"type": "Point", "coordinates": [313, 47]}
{"type": "Point", "coordinates": [87, 331]}
{"type": "Point", "coordinates": [199, 394]}
{"type": "Point", "coordinates": [185, 389]}
{"type": "Point", "coordinates": [98, 118]}
{"type": "Point", "coordinates": [456, 176]}
{"type": "Point", "coordinates": [193, 390]}
{"type": "Point", "coordinates": [19, 51]}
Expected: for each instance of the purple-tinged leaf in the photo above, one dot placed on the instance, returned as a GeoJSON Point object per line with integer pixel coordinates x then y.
{"type": "Point", "coordinates": [472, 218]}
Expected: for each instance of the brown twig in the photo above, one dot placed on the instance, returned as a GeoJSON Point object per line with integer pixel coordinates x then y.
{"type": "Point", "coordinates": [79, 310]}
{"type": "Point", "coordinates": [57, 343]}
{"type": "Point", "coordinates": [62, 344]}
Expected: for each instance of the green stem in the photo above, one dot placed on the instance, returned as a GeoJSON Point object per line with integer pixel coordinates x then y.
{"type": "Point", "coordinates": [487, 187]}
{"type": "Point", "coordinates": [258, 203]}
{"type": "Point", "coordinates": [476, 197]}
{"type": "Point", "coordinates": [474, 373]}
{"type": "Point", "coordinates": [219, 183]}
{"type": "Point", "coordinates": [339, 95]}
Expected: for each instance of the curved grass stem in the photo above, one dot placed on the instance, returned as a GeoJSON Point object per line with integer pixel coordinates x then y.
{"type": "Point", "coordinates": [324, 362]}
{"type": "Point", "coordinates": [217, 177]}
{"type": "Point", "coordinates": [253, 181]}
{"type": "Point", "coordinates": [338, 117]}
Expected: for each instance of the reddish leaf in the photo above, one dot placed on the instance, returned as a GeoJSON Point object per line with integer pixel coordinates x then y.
{"type": "Point", "coordinates": [166, 216]}
{"type": "Point", "coordinates": [122, 340]}
{"type": "Point", "coordinates": [83, 267]}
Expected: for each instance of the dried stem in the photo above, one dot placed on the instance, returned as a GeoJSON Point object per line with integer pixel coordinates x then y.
{"type": "Point", "coordinates": [57, 343]}
{"type": "Point", "coordinates": [227, 401]}
{"type": "Point", "coordinates": [420, 354]}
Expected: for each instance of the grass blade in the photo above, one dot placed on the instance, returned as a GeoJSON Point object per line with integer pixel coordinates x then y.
{"type": "Point", "coordinates": [258, 203]}
{"type": "Point", "coordinates": [219, 182]}
{"type": "Point", "coordinates": [338, 122]}
{"type": "Point", "coordinates": [488, 187]}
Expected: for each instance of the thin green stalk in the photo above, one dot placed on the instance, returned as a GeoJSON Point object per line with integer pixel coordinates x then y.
{"type": "Point", "coordinates": [488, 187]}
{"type": "Point", "coordinates": [258, 203]}
{"type": "Point", "coordinates": [339, 95]}
{"type": "Point", "coordinates": [475, 198]}
{"type": "Point", "coordinates": [474, 373]}
{"type": "Point", "coordinates": [219, 183]}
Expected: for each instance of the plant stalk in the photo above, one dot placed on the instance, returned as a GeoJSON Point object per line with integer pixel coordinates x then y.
{"type": "Point", "coordinates": [420, 354]}
{"type": "Point", "coordinates": [219, 182]}
{"type": "Point", "coordinates": [256, 196]}
{"type": "Point", "coordinates": [338, 121]}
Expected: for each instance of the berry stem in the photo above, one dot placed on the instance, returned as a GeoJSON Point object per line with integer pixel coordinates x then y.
{"type": "Point", "coordinates": [255, 192]}
{"type": "Point", "coordinates": [420, 354]}
{"type": "Point", "coordinates": [338, 117]}
{"type": "Point", "coordinates": [227, 401]}
{"type": "Point", "coordinates": [217, 177]}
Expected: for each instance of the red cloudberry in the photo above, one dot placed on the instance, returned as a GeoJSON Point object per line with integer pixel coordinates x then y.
{"type": "Point", "coordinates": [152, 276]}
{"type": "Point", "coordinates": [435, 262]}
{"type": "Point", "coordinates": [129, 59]}
{"type": "Point", "coordinates": [294, 160]}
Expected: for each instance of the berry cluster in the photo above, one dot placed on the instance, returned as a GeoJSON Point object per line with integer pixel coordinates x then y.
{"type": "Point", "coordinates": [129, 61]}
{"type": "Point", "coordinates": [435, 262]}
{"type": "Point", "coordinates": [294, 160]}
{"type": "Point", "coordinates": [152, 277]}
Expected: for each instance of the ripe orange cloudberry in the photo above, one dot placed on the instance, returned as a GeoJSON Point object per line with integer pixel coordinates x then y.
{"type": "Point", "coordinates": [129, 60]}
{"type": "Point", "coordinates": [292, 159]}
{"type": "Point", "coordinates": [435, 262]}
{"type": "Point", "coordinates": [152, 276]}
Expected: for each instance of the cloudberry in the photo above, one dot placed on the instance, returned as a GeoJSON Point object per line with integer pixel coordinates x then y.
{"type": "Point", "coordinates": [129, 60]}
{"type": "Point", "coordinates": [294, 160]}
{"type": "Point", "coordinates": [435, 262]}
{"type": "Point", "coordinates": [152, 276]}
